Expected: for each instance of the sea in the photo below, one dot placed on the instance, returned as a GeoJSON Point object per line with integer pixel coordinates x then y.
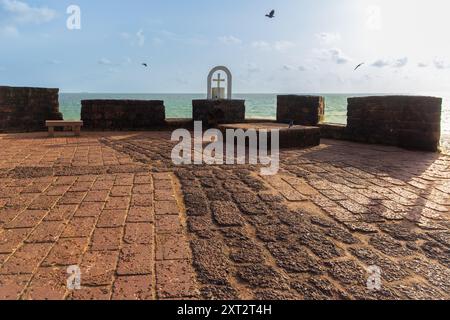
{"type": "Point", "coordinates": [261, 106]}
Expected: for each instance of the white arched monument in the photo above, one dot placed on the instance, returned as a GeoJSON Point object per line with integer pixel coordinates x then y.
{"type": "Point", "coordinates": [218, 92]}
{"type": "Point", "coordinates": [219, 107]}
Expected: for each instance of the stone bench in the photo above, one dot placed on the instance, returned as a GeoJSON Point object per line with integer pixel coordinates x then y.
{"type": "Point", "coordinates": [52, 124]}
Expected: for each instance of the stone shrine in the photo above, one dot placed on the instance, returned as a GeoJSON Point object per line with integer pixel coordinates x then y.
{"type": "Point", "coordinates": [219, 107]}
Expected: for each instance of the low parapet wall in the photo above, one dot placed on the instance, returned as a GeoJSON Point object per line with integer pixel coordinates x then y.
{"type": "Point", "coordinates": [27, 109]}
{"type": "Point", "coordinates": [214, 112]}
{"type": "Point", "coordinates": [123, 114]}
{"type": "Point", "coordinates": [411, 122]}
{"type": "Point", "coordinates": [302, 110]}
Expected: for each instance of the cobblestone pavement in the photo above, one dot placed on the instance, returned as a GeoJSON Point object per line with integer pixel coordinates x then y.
{"type": "Point", "coordinates": [140, 228]}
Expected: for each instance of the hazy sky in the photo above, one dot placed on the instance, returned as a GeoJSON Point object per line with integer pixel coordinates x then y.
{"type": "Point", "coordinates": [311, 45]}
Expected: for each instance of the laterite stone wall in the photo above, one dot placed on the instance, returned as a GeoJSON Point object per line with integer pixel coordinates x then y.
{"type": "Point", "coordinates": [214, 112]}
{"type": "Point", "coordinates": [303, 110]}
{"type": "Point", "coordinates": [406, 121]}
{"type": "Point", "coordinates": [27, 109]}
{"type": "Point", "coordinates": [123, 114]}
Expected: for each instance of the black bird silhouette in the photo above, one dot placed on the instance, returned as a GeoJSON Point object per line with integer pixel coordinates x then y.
{"type": "Point", "coordinates": [145, 65]}
{"type": "Point", "coordinates": [271, 14]}
{"type": "Point", "coordinates": [359, 65]}
{"type": "Point", "coordinates": [291, 124]}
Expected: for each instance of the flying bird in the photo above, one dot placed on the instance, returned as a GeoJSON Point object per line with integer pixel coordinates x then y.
{"type": "Point", "coordinates": [359, 65]}
{"type": "Point", "coordinates": [271, 14]}
{"type": "Point", "coordinates": [145, 65]}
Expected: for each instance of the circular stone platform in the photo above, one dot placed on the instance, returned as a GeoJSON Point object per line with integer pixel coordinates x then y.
{"type": "Point", "coordinates": [294, 137]}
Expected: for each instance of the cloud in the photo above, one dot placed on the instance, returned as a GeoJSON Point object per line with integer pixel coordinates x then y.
{"type": "Point", "coordinates": [380, 63]}
{"type": "Point", "coordinates": [283, 45]}
{"type": "Point", "coordinates": [182, 81]}
{"type": "Point", "coordinates": [337, 56]}
{"type": "Point", "coordinates": [288, 67]}
{"type": "Point", "coordinates": [253, 68]}
{"type": "Point", "coordinates": [230, 40]}
{"type": "Point", "coordinates": [328, 38]}
{"type": "Point", "coordinates": [157, 41]}
{"type": "Point", "coordinates": [302, 68]}
{"type": "Point", "coordinates": [195, 40]}
{"type": "Point", "coordinates": [113, 70]}
{"type": "Point", "coordinates": [125, 35]}
{"type": "Point", "coordinates": [23, 13]}
{"type": "Point", "coordinates": [397, 63]}
{"type": "Point", "coordinates": [334, 54]}
{"type": "Point", "coordinates": [127, 61]}
{"type": "Point", "coordinates": [250, 69]}
{"type": "Point", "coordinates": [374, 18]}
{"type": "Point", "coordinates": [400, 63]}
{"type": "Point", "coordinates": [141, 38]}
{"type": "Point", "coordinates": [134, 39]}
{"type": "Point", "coordinates": [280, 46]}
{"type": "Point", "coordinates": [54, 61]}
{"type": "Point", "coordinates": [440, 64]}
{"type": "Point", "coordinates": [168, 33]}
{"type": "Point", "coordinates": [9, 31]}
{"type": "Point", "coordinates": [261, 45]}
{"type": "Point", "coordinates": [105, 62]}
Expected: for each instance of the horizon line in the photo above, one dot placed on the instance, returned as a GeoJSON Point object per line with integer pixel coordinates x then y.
{"type": "Point", "coordinates": [266, 93]}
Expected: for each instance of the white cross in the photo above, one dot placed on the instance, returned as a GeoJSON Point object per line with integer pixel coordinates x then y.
{"type": "Point", "coordinates": [218, 80]}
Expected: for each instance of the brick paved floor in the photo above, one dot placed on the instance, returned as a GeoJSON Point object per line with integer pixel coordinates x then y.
{"type": "Point", "coordinates": [140, 228]}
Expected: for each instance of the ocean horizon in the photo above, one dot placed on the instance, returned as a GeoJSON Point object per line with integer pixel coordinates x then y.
{"type": "Point", "coordinates": [258, 105]}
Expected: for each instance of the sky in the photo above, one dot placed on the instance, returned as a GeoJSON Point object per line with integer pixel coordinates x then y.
{"type": "Point", "coordinates": [311, 46]}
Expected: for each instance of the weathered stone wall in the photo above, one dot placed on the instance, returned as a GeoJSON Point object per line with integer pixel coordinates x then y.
{"type": "Point", "coordinates": [303, 110]}
{"type": "Point", "coordinates": [405, 121]}
{"type": "Point", "coordinates": [334, 131]}
{"type": "Point", "coordinates": [123, 114]}
{"type": "Point", "coordinates": [214, 112]}
{"type": "Point", "coordinates": [27, 109]}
